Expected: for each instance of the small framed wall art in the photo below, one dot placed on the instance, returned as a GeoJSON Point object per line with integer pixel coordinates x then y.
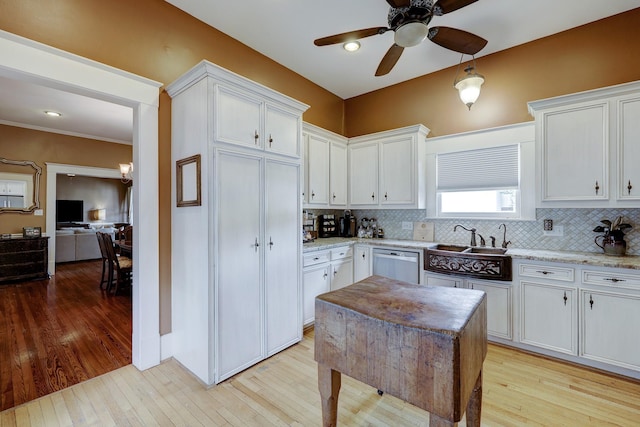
{"type": "Point", "coordinates": [31, 232]}
{"type": "Point", "coordinates": [188, 182]}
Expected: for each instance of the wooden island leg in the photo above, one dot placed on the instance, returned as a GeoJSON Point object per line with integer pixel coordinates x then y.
{"type": "Point", "coordinates": [329, 384]}
{"type": "Point", "coordinates": [475, 404]}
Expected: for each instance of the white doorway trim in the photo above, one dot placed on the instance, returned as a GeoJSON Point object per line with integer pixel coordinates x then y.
{"type": "Point", "coordinates": [34, 62]}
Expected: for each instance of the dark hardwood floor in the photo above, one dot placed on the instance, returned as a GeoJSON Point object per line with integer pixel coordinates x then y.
{"type": "Point", "coordinates": [59, 332]}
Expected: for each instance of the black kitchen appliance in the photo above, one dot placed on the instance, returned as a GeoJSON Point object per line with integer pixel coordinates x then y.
{"type": "Point", "coordinates": [347, 225]}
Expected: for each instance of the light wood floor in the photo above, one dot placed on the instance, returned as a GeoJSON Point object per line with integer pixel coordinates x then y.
{"type": "Point", "coordinates": [519, 389]}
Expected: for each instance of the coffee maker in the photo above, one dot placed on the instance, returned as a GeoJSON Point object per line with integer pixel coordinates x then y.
{"type": "Point", "coordinates": [347, 224]}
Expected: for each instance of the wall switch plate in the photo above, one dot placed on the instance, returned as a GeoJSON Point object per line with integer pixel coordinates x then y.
{"type": "Point", "coordinates": [558, 231]}
{"type": "Point", "coordinates": [38, 212]}
{"type": "Point", "coordinates": [407, 225]}
{"type": "Point", "coordinates": [548, 225]}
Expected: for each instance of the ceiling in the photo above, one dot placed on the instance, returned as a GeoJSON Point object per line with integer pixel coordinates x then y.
{"type": "Point", "coordinates": [284, 30]}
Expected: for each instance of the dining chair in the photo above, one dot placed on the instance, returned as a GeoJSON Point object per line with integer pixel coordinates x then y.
{"type": "Point", "coordinates": [121, 265]}
{"type": "Point", "coordinates": [104, 281]}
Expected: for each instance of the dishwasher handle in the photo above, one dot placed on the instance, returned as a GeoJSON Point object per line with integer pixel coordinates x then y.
{"type": "Point", "coordinates": [396, 257]}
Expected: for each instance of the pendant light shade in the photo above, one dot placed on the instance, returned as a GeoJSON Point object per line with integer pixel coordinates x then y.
{"type": "Point", "coordinates": [468, 85]}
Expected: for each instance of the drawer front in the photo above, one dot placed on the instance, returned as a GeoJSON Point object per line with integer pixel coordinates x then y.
{"type": "Point", "coordinates": [604, 278]}
{"type": "Point", "coordinates": [316, 258]}
{"type": "Point", "coordinates": [343, 252]}
{"type": "Point", "coordinates": [564, 274]}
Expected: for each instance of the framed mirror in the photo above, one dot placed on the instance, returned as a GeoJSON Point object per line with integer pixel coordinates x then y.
{"type": "Point", "coordinates": [19, 185]}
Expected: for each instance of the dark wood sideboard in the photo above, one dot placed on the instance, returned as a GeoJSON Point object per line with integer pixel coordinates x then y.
{"type": "Point", "coordinates": [24, 259]}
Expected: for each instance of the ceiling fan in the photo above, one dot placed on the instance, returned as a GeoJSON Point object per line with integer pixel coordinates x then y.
{"type": "Point", "coordinates": [409, 19]}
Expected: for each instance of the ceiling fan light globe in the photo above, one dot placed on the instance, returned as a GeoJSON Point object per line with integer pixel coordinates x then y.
{"type": "Point", "coordinates": [469, 88]}
{"type": "Point", "coordinates": [411, 34]}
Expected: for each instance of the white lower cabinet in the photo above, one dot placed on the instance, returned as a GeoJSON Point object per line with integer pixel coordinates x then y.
{"type": "Point", "coordinates": [586, 314]}
{"type": "Point", "coordinates": [316, 282]}
{"type": "Point", "coordinates": [609, 330]}
{"type": "Point", "coordinates": [341, 267]}
{"type": "Point", "coordinates": [499, 300]}
{"type": "Point", "coordinates": [499, 307]}
{"type": "Point", "coordinates": [548, 316]}
{"type": "Point", "coordinates": [323, 271]}
{"type": "Point", "coordinates": [434, 279]}
{"type": "Point", "coordinates": [362, 267]}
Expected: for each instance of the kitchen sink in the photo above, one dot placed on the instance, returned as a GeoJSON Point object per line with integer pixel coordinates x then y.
{"type": "Point", "coordinates": [472, 261]}
{"type": "Point", "coordinates": [485, 250]}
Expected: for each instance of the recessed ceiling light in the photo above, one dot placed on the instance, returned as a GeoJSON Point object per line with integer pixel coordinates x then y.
{"type": "Point", "coordinates": [351, 46]}
{"type": "Point", "coordinates": [53, 113]}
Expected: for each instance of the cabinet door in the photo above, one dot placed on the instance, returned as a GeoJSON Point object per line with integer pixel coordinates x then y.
{"type": "Point", "coordinates": [338, 174]}
{"type": "Point", "coordinates": [317, 171]}
{"type": "Point", "coordinates": [548, 316]}
{"type": "Point", "coordinates": [13, 188]}
{"type": "Point", "coordinates": [315, 282]}
{"type": "Point", "coordinates": [282, 244]}
{"type": "Point", "coordinates": [239, 307]}
{"type": "Point", "coordinates": [282, 131]}
{"type": "Point", "coordinates": [431, 279]}
{"type": "Point", "coordinates": [397, 172]}
{"type": "Point", "coordinates": [499, 303]}
{"type": "Point", "coordinates": [341, 273]}
{"type": "Point", "coordinates": [363, 175]}
{"type": "Point", "coordinates": [575, 153]}
{"type": "Point", "coordinates": [238, 118]}
{"type": "Point", "coordinates": [629, 149]}
{"type": "Point", "coordinates": [610, 327]}
{"type": "Point", "coordinates": [361, 262]}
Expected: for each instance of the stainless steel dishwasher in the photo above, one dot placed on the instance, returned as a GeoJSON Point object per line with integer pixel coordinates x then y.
{"type": "Point", "coordinates": [397, 264]}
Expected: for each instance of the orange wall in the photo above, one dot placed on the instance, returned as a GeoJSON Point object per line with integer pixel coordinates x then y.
{"type": "Point", "coordinates": [600, 54]}
{"type": "Point", "coordinates": [41, 147]}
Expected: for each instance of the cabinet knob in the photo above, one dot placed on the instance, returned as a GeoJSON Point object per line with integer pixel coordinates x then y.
{"type": "Point", "coordinates": [256, 244]}
{"type": "Point", "coordinates": [597, 188]}
{"type": "Point", "coordinates": [334, 196]}
{"type": "Point", "coordinates": [591, 301]}
{"type": "Point", "coordinates": [324, 276]}
{"type": "Point", "coordinates": [373, 196]}
{"type": "Point", "coordinates": [385, 195]}
{"type": "Point", "coordinates": [565, 297]}
{"type": "Point", "coordinates": [629, 187]}
{"type": "Point", "coordinates": [270, 140]}
{"type": "Point", "coordinates": [313, 194]}
{"type": "Point", "coordinates": [270, 243]}
{"type": "Point", "coordinates": [363, 256]}
{"type": "Point", "coordinates": [256, 136]}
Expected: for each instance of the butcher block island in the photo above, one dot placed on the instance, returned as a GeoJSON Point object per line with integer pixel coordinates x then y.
{"type": "Point", "coordinates": [425, 345]}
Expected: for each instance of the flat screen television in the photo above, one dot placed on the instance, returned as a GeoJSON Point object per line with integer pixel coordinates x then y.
{"type": "Point", "coordinates": [69, 210]}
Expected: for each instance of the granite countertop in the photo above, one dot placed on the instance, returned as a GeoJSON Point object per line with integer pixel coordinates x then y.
{"type": "Point", "coordinates": [583, 258]}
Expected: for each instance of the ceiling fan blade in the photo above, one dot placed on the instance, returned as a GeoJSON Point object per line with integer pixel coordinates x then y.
{"type": "Point", "coordinates": [446, 6]}
{"type": "Point", "coordinates": [457, 40]}
{"type": "Point", "coordinates": [349, 36]}
{"type": "Point", "coordinates": [399, 3]}
{"type": "Point", "coordinates": [389, 60]}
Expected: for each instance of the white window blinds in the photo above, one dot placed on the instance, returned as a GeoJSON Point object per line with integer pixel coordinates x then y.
{"type": "Point", "coordinates": [483, 169]}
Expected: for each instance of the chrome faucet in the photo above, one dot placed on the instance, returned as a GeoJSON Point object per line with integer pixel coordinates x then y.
{"type": "Point", "coordinates": [472, 230]}
{"type": "Point", "coordinates": [505, 243]}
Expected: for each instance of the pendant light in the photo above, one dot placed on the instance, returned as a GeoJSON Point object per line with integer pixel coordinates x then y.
{"type": "Point", "coordinates": [468, 85]}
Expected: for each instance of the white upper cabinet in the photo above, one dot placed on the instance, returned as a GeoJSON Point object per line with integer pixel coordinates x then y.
{"type": "Point", "coordinates": [363, 175]}
{"type": "Point", "coordinates": [252, 120]}
{"type": "Point", "coordinates": [629, 148]}
{"type": "Point", "coordinates": [325, 163]}
{"type": "Point", "coordinates": [575, 146]}
{"type": "Point", "coordinates": [587, 147]}
{"type": "Point", "coordinates": [338, 174]}
{"type": "Point", "coordinates": [388, 169]}
{"type": "Point", "coordinates": [317, 171]}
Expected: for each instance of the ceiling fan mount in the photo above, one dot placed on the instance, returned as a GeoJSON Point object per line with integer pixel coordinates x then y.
{"type": "Point", "coordinates": [409, 20]}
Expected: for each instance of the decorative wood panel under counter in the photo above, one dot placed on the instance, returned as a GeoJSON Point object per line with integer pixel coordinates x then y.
{"type": "Point", "coordinates": [24, 258]}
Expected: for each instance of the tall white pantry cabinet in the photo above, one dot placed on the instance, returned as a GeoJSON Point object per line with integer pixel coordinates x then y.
{"type": "Point", "coordinates": [236, 279]}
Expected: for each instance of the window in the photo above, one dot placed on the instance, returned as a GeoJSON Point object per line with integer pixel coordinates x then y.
{"type": "Point", "coordinates": [481, 183]}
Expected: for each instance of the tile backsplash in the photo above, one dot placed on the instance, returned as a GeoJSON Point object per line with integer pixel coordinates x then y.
{"type": "Point", "coordinates": [578, 227]}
